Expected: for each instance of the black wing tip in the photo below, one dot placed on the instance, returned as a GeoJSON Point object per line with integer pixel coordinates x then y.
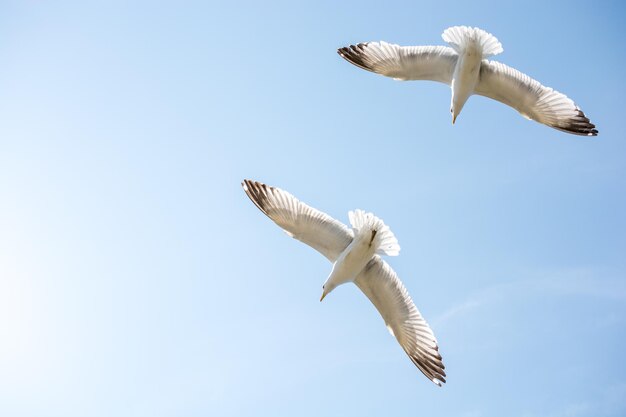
{"type": "Point", "coordinates": [580, 125]}
{"type": "Point", "coordinates": [257, 192]}
{"type": "Point", "coordinates": [251, 184]}
{"type": "Point", "coordinates": [438, 380]}
{"type": "Point", "coordinates": [431, 370]}
{"type": "Point", "coordinates": [348, 50]}
{"type": "Point", "coordinates": [355, 54]}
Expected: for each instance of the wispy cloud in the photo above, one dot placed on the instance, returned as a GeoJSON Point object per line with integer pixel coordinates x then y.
{"type": "Point", "coordinates": [464, 307]}
{"type": "Point", "coordinates": [559, 283]}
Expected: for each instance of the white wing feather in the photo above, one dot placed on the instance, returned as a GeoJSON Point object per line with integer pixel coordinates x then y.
{"type": "Point", "coordinates": [385, 290]}
{"type": "Point", "coordinates": [318, 230]}
{"type": "Point", "coordinates": [435, 63]}
{"type": "Point", "coordinates": [533, 100]}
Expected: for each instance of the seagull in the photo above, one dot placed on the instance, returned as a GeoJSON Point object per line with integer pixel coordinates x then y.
{"type": "Point", "coordinates": [355, 254]}
{"type": "Point", "coordinates": [464, 67]}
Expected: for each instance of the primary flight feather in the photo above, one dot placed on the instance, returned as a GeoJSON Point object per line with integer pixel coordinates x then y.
{"type": "Point", "coordinates": [463, 66]}
{"type": "Point", "coordinates": [355, 254]}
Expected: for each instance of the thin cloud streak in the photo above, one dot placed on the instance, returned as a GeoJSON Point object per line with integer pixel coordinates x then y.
{"type": "Point", "coordinates": [564, 283]}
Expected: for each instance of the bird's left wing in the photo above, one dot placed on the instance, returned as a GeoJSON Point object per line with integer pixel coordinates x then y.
{"type": "Point", "coordinates": [533, 100]}
{"type": "Point", "coordinates": [318, 230]}
{"type": "Point", "coordinates": [385, 290]}
{"type": "Point", "coordinates": [435, 63]}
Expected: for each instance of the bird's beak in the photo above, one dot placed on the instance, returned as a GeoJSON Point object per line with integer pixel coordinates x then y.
{"type": "Point", "coordinates": [323, 295]}
{"type": "Point", "coordinates": [454, 119]}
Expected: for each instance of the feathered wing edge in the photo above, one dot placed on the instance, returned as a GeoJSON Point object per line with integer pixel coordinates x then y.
{"type": "Point", "coordinates": [381, 285]}
{"type": "Point", "coordinates": [532, 99]}
{"type": "Point", "coordinates": [434, 63]}
{"type": "Point", "coordinates": [300, 221]}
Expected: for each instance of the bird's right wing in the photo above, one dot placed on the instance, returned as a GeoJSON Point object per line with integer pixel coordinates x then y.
{"type": "Point", "coordinates": [385, 290]}
{"type": "Point", "coordinates": [435, 63]}
{"type": "Point", "coordinates": [318, 230]}
{"type": "Point", "coordinates": [532, 99]}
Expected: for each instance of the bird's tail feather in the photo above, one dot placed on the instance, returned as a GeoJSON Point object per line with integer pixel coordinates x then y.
{"type": "Point", "coordinates": [460, 37]}
{"type": "Point", "coordinates": [382, 237]}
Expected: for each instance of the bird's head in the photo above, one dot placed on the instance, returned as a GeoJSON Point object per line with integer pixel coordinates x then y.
{"type": "Point", "coordinates": [457, 103]}
{"type": "Point", "coordinates": [455, 109]}
{"type": "Point", "coordinates": [326, 289]}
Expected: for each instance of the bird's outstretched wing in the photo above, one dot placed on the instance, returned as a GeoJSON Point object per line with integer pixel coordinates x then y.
{"type": "Point", "coordinates": [533, 100]}
{"type": "Point", "coordinates": [435, 63]}
{"type": "Point", "coordinates": [385, 290]}
{"type": "Point", "coordinates": [318, 230]}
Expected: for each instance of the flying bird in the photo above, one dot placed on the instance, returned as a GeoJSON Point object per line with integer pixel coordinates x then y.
{"type": "Point", "coordinates": [463, 66]}
{"type": "Point", "coordinates": [356, 256]}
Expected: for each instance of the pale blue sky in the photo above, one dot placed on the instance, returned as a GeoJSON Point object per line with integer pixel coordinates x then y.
{"type": "Point", "coordinates": [137, 279]}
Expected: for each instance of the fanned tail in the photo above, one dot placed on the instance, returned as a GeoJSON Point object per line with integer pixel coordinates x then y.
{"type": "Point", "coordinates": [383, 238]}
{"type": "Point", "coordinates": [462, 37]}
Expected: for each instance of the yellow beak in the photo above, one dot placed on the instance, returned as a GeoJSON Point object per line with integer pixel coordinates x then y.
{"type": "Point", "coordinates": [323, 295]}
{"type": "Point", "coordinates": [453, 119]}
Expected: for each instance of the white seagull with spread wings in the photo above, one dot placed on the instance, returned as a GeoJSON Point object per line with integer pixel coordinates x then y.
{"type": "Point", "coordinates": [463, 66]}
{"type": "Point", "coordinates": [355, 254]}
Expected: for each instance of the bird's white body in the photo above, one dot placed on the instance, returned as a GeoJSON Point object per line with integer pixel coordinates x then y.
{"type": "Point", "coordinates": [370, 236]}
{"type": "Point", "coordinates": [351, 261]}
{"type": "Point", "coordinates": [465, 78]}
{"type": "Point", "coordinates": [472, 46]}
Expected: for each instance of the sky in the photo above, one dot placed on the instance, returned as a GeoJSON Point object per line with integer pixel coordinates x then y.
{"type": "Point", "coordinates": [137, 279]}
